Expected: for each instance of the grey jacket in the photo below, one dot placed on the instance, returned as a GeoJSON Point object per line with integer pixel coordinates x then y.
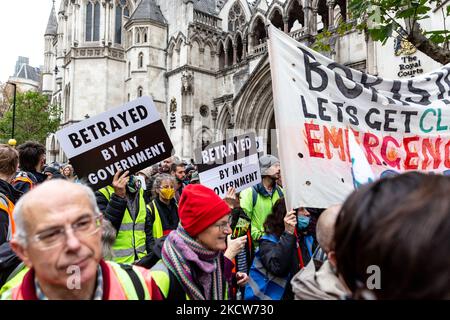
{"type": "Point", "coordinates": [323, 284]}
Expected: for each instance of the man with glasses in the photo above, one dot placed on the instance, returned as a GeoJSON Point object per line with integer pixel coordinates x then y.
{"type": "Point", "coordinates": [59, 239]}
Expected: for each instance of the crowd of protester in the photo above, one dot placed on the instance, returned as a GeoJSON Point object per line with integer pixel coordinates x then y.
{"type": "Point", "coordinates": [160, 234]}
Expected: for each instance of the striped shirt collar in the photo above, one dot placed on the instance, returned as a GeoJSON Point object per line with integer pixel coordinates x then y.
{"type": "Point", "coordinates": [98, 294]}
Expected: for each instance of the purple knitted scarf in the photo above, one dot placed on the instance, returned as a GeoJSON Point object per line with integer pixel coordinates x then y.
{"type": "Point", "coordinates": [181, 253]}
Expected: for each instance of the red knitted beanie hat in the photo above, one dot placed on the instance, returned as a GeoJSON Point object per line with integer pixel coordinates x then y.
{"type": "Point", "coordinates": [199, 208]}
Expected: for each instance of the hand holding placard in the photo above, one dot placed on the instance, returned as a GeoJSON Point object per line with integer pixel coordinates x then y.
{"type": "Point", "coordinates": [120, 183]}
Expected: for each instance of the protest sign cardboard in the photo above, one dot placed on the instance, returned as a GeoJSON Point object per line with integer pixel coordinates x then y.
{"type": "Point", "coordinates": [401, 125]}
{"type": "Point", "coordinates": [229, 163]}
{"type": "Point", "coordinates": [130, 137]}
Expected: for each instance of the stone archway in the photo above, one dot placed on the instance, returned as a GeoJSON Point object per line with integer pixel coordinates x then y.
{"type": "Point", "coordinates": [254, 110]}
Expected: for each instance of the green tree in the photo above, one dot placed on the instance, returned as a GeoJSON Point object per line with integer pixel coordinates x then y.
{"type": "Point", "coordinates": [391, 18]}
{"type": "Point", "coordinates": [35, 118]}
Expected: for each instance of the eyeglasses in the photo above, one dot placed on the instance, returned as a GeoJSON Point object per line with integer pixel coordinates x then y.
{"type": "Point", "coordinates": [224, 225]}
{"type": "Point", "coordinates": [57, 236]}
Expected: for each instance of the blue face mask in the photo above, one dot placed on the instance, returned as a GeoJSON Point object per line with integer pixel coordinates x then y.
{"type": "Point", "coordinates": [302, 221]}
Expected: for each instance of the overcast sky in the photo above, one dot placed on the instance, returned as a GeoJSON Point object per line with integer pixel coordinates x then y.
{"type": "Point", "coordinates": [22, 27]}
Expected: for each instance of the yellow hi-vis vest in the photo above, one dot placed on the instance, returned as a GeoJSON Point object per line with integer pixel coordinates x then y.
{"type": "Point", "coordinates": [158, 231]}
{"type": "Point", "coordinates": [161, 275]}
{"type": "Point", "coordinates": [7, 206]}
{"type": "Point", "coordinates": [130, 241]}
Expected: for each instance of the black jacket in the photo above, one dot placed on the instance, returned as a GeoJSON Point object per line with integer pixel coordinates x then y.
{"type": "Point", "coordinates": [281, 259]}
{"type": "Point", "coordinates": [153, 256]}
{"type": "Point", "coordinates": [114, 209]}
{"type": "Point", "coordinates": [8, 262]}
{"type": "Point", "coordinates": [168, 215]}
{"type": "Point", "coordinates": [13, 195]}
{"type": "Point", "coordinates": [34, 176]}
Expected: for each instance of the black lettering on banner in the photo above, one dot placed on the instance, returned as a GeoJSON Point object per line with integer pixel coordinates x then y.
{"type": "Point", "coordinates": [339, 107]}
{"type": "Point", "coordinates": [225, 151]}
{"type": "Point", "coordinates": [149, 145]}
{"type": "Point", "coordinates": [305, 110]}
{"type": "Point", "coordinates": [85, 136]}
{"type": "Point", "coordinates": [123, 117]}
{"type": "Point", "coordinates": [388, 120]}
{"type": "Point", "coordinates": [425, 100]}
{"type": "Point", "coordinates": [440, 75]}
{"type": "Point", "coordinates": [114, 124]}
{"type": "Point", "coordinates": [350, 93]}
{"type": "Point", "coordinates": [375, 124]}
{"type": "Point", "coordinates": [91, 128]}
{"type": "Point", "coordinates": [237, 168]}
{"type": "Point", "coordinates": [408, 115]}
{"type": "Point", "coordinates": [137, 114]}
{"type": "Point", "coordinates": [142, 111]}
{"type": "Point", "coordinates": [236, 183]}
{"type": "Point", "coordinates": [76, 143]}
{"type": "Point", "coordinates": [102, 128]}
{"type": "Point", "coordinates": [352, 112]}
{"type": "Point", "coordinates": [370, 85]}
{"type": "Point", "coordinates": [322, 109]}
{"type": "Point", "coordinates": [446, 80]}
{"type": "Point", "coordinates": [396, 86]}
{"type": "Point", "coordinates": [314, 67]}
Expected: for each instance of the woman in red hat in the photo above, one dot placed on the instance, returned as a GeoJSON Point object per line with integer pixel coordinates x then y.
{"type": "Point", "coordinates": [193, 265]}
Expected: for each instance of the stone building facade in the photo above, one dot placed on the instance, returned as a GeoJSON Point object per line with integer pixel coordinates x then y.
{"type": "Point", "coordinates": [204, 62]}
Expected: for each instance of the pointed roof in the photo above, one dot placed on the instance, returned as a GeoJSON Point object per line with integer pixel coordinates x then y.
{"type": "Point", "coordinates": [61, 7]}
{"type": "Point", "coordinates": [52, 24]}
{"type": "Point", "coordinates": [28, 72]}
{"type": "Point", "coordinates": [148, 10]}
{"type": "Point", "coordinates": [207, 6]}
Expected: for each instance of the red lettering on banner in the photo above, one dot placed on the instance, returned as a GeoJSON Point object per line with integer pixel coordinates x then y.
{"type": "Point", "coordinates": [391, 157]}
{"type": "Point", "coordinates": [368, 145]}
{"type": "Point", "coordinates": [411, 155]}
{"type": "Point", "coordinates": [347, 149]}
{"type": "Point", "coordinates": [312, 141]}
{"type": "Point", "coordinates": [433, 150]}
{"type": "Point", "coordinates": [447, 155]}
{"type": "Point", "coordinates": [335, 137]}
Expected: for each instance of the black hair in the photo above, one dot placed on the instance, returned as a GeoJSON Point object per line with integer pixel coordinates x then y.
{"type": "Point", "coordinates": [400, 225]}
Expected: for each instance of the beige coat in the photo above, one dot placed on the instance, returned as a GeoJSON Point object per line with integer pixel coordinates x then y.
{"type": "Point", "coordinates": [309, 284]}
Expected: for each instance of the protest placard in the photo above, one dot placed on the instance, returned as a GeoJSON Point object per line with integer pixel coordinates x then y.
{"type": "Point", "coordinates": [130, 137]}
{"type": "Point", "coordinates": [401, 125]}
{"type": "Point", "coordinates": [229, 163]}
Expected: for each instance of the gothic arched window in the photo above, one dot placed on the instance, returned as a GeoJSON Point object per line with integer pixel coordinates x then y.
{"type": "Point", "coordinates": [92, 25]}
{"type": "Point", "coordinates": [118, 24]}
{"type": "Point", "coordinates": [236, 17]}
{"type": "Point", "coordinates": [138, 35]}
{"type": "Point", "coordinates": [140, 91]}
{"type": "Point", "coordinates": [140, 60]}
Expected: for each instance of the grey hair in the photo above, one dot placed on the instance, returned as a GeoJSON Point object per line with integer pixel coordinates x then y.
{"type": "Point", "coordinates": [109, 235]}
{"type": "Point", "coordinates": [21, 234]}
{"type": "Point", "coordinates": [160, 178]}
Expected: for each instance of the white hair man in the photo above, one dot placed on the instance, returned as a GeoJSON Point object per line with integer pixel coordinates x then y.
{"type": "Point", "coordinates": [58, 236]}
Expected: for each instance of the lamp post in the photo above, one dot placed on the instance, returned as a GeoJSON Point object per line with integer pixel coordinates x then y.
{"type": "Point", "coordinates": [12, 141]}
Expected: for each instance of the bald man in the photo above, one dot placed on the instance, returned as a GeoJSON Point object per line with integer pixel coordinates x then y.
{"type": "Point", "coordinates": [322, 284]}
{"type": "Point", "coordinates": [58, 236]}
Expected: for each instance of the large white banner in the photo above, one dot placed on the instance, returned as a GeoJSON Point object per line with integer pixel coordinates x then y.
{"type": "Point", "coordinates": [400, 124]}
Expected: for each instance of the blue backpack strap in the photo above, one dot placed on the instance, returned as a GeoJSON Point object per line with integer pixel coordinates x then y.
{"type": "Point", "coordinates": [254, 196]}
{"type": "Point", "coordinates": [280, 192]}
{"type": "Point", "coordinates": [270, 237]}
